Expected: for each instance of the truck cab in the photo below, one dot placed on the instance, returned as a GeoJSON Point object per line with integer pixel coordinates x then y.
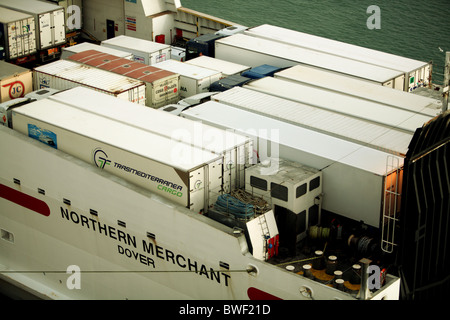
{"type": "Point", "coordinates": [202, 45]}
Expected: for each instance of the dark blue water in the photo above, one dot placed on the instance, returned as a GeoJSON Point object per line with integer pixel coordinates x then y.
{"type": "Point", "coordinates": [413, 29]}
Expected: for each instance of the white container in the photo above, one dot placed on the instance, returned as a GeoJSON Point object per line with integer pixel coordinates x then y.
{"type": "Point", "coordinates": [161, 86]}
{"type": "Point", "coordinates": [49, 20]}
{"type": "Point", "coordinates": [15, 81]}
{"type": "Point", "coordinates": [338, 102]}
{"type": "Point", "coordinates": [225, 67]}
{"type": "Point", "coordinates": [360, 131]}
{"type": "Point", "coordinates": [84, 46]}
{"type": "Point", "coordinates": [253, 51]}
{"type": "Point", "coordinates": [65, 74]}
{"type": "Point", "coordinates": [184, 175]}
{"type": "Point", "coordinates": [353, 175]}
{"type": "Point", "coordinates": [19, 36]}
{"type": "Point", "coordinates": [193, 79]}
{"type": "Point", "coordinates": [236, 150]}
{"type": "Point", "coordinates": [360, 88]}
{"type": "Point", "coordinates": [413, 70]}
{"type": "Point", "coordinates": [144, 51]}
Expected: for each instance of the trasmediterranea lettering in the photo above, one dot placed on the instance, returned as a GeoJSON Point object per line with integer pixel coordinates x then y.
{"type": "Point", "coordinates": [150, 177]}
{"type": "Point", "coordinates": [150, 253]}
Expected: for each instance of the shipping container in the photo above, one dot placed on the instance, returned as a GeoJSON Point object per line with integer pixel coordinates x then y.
{"type": "Point", "coordinates": [144, 51]}
{"type": "Point", "coordinates": [17, 34]}
{"type": "Point", "coordinates": [361, 89]}
{"type": "Point", "coordinates": [253, 51]}
{"type": "Point", "coordinates": [325, 99]}
{"type": "Point", "coordinates": [193, 79]}
{"type": "Point", "coordinates": [85, 46]}
{"type": "Point", "coordinates": [15, 81]}
{"type": "Point", "coordinates": [236, 150]}
{"type": "Point", "coordinates": [360, 131]}
{"type": "Point", "coordinates": [181, 173]}
{"type": "Point", "coordinates": [161, 86]}
{"type": "Point", "coordinates": [49, 21]}
{"type": "Point", "coordinates": [73, 13]}
{"type": "Point", "coordinates": [354, 176]}
{"type": "Point", "coordinates": [225, 67]}
{"type": "Point", "coordinates": [416, 73]}
{"type": "Point", "coordinates": [64, 74]}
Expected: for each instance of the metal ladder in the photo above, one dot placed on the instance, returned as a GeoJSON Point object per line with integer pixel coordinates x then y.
{"type": "Point", "coordinates": [265, 232]}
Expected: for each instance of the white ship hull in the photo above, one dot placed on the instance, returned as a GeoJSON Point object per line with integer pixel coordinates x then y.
{"type": "Point", "coordinates": [42, 235]}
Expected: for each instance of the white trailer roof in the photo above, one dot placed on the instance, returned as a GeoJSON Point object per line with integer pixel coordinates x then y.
{"type": "Point", "coordinates": [360, 88]}
{"type": "Point", "coordinates": [185, 69]}
{"type": "Point", "coordinates": [337, 48]}
{"type": "Point", "coordinates": [226, 67]}
{"type": "Point", "coordinates": [120, 135]}
{"type": "Point", "coordinates": [297, 55]}
{"type": "Point", "coordinates": [89, 76]}
{"type": "Point", "coordinates": [31, 6]}
{"type": "Point", "coordinates": [8, 15]}
{"type": "Point", "coordinates": [84, 46]}
{"type": "Point", "coordinates": [342, 126]}
{"type": "Point", "coordinates": [133, 43]}
{"type": "Point", "coordinates": [159, 122]}
{"type": "Point", "coordinates": [341, 103]}
{"type": "Point", "coordinates": [330, 148]}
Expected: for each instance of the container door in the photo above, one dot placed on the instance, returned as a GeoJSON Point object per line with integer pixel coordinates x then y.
{"type": "Point", "coordinates": [29, 41]}
{"type": "Point", "coordinates": [215, 181]}
{"type": "Point", "coordinates": [45, 30]}
{"type": "Point", "coordinates": [15, 48]}
{"type": "Point", "coordinates": [59, 31]}
{"type": "Point", "coordinates": [197, 190]}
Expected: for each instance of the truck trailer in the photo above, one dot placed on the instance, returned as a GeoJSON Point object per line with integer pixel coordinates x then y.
{"type": "Point", "coordinates": [193, 79]}
{"type": "Point", "coordinates": [373, 111]}
{"type": "Point", "coordinates": [144, 51]}
{"type": "Point", "coordinates": [357, 130]}
{"type": "Point", "coordinates": [49, 24]}
{"type": "Point", "coordinates": [253, 51]}
{"type": "Point", "coordinates": [15, 81]}
{"type": "Point", "coordinates": [416, 73]}
{"type": "Point", "coordinates": [161, 86]}
{"type": "Point", "coordinates": [359, 88]}
{"type": "Point", "coordinates": [18, 34]}
{"type": "Point", "coordinates": [236, 150]}
{"type": "Point", "coordinates": [184, 174]}
{"type": "Point", "coordinates": [64, 74]}
{"type": "Point", "coordinates": [357, 180]}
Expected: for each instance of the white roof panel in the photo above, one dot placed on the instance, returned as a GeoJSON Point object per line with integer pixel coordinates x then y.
{"type": "Point", "coordinates": [337, 48]}
{"type": "Point", "coordinates": [89, 76]}
{"type": "Point", "coordinates": [360, 88]}
{"type": "Point", "coordinates": [135, 44]}
{"type": "Point", "coordinates": [330, 148]}
{"type": "Point", "coordinates": [185, 69]}
{"type": "Point", "coordinates": [226, 67]}
{"type": "Point", "coordinates": [342, 126]}
{"type": "Point", "coordinates": [152, 120]}
{"type": "Point", "coordinates": [114, 133]}
{"type": "Point", "coordinates": [339, 102]}
{"type": "Point", "coordinates": [84, 46]}
{"type": "Point", "coordinates": [299, 55]}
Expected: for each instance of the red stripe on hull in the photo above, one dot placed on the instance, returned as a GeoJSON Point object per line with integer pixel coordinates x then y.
{"type": "Point", "coordinates": [24, 200]}
{"type": "Point", "coordinates": [256, 294]}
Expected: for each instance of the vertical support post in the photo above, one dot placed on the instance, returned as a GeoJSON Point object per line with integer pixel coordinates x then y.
{"type": "Point", "coordinates": [364, 292]}
{"type": "Point", "coordinates": [446, 81]}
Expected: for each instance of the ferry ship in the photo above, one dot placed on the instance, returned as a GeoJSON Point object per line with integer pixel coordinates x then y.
{"type": "Point", "coordinates": [103, 198]}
